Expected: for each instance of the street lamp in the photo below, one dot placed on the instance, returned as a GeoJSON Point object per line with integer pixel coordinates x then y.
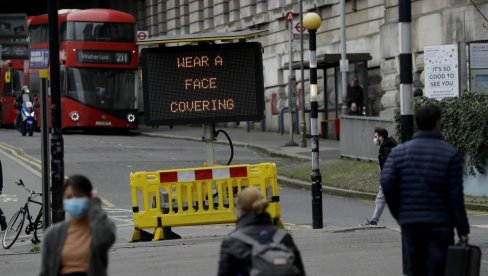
{"type": "Point", "coordinates": [311, 22]}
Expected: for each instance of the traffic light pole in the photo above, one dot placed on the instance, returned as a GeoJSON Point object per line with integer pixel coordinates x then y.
{"type": "Point", "coordinates": [57, 146]}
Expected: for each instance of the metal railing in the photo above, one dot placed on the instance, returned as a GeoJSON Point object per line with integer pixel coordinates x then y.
{"type": "Point", "coordinates": [357, 132]}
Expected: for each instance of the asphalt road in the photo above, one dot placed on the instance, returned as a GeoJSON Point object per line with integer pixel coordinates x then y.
{"type": "Point", "coordinates": [109, 159]}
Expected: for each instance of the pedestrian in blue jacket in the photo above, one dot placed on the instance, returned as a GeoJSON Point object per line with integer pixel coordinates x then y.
{"type": "Point", "coordinates": [423, 185]}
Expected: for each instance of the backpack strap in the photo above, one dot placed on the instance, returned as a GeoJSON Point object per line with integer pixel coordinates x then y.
{"type": "Point", "coordinates": [245, 238]}
{"type": "Point", "coordinates": [279, 235]}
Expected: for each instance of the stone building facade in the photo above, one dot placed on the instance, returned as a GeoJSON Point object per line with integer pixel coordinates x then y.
{"type": "Point", "coordinates": [371, 27]}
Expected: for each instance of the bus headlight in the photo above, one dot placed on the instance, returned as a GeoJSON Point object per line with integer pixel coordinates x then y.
{"type": "Point", "coordinates": [131, 118]}
{"type": "Point", "coordinates": [75, 117]}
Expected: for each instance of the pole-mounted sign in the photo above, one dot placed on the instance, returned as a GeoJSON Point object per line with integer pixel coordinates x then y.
{"type": "Point", "coordinates": [203, 84]}
{"type": "Point", "coordinates": [15, 50]}
{"type": "Point", "coordinates": [13, 25]}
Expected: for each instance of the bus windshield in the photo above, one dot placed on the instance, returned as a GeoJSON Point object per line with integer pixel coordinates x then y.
{"type": "Point", "coordinates": [98, 31]}
{"type": "Point", "coordinates": [103, 89]}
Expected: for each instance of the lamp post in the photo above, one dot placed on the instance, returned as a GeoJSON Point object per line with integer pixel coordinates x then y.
{"type": "Point", "coordinates": [311, 22]}
{"type": "Point", "coordinates": [406, 78]}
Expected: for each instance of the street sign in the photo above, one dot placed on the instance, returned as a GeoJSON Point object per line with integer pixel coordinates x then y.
{"type": "Point", "coordinates": [296, 30]}
{"type": "Point", "coordinates": [13, 25]}
{"type": "Point", "coordinates": [142, 35]}
{"type": "Point", "coordinates": [289, 16]}
{"type": "Point", "coordinates": [15, 50]}
{"type": "Point", "coordinates": [203, 84]}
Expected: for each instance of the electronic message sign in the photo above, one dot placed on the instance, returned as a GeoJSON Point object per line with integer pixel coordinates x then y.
{"type": "Point", "coordinates": [203, 84]}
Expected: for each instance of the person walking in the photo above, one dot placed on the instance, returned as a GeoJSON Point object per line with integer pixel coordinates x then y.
{"type": "Point", "coordinates": [255, 222]}
{"type": "Point", "coordinates": [78, 246]}
{"type": "Point", "coordinates": [422, 180]}
{"type": "Point", "coordinates": [3, 220]}
{"type": "Point", "coordinates": [386, 143]}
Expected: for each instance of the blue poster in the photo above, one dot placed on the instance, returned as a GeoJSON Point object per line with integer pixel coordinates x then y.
{"type": "Point", "coordinates": [39, 58]}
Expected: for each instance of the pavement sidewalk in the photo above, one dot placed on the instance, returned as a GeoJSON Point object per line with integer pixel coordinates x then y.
{"type": "Point", "coordinates": [328, 251]}
{"type": "Point", "coordinates": [272, 143]}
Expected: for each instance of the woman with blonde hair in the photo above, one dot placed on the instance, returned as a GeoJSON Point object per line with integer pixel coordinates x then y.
{"type": "Point", "coordinates": [236, 253]}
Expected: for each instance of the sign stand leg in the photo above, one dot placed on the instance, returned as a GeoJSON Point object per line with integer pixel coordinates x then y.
{"type": "Point", "coordinates": [209, 138]}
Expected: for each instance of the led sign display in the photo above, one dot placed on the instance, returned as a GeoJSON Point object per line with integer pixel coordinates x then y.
{"type": "Point", "coordinates": [203, 84]}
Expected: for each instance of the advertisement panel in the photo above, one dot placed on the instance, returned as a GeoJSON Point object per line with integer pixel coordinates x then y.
{"type": "Point", "coordinates": [441, 71]}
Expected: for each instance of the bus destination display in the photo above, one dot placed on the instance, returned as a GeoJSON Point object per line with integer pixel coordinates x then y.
{"type": "Point", "coordinates": [203, 84]}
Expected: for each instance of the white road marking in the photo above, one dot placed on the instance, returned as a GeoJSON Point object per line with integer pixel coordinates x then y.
{"type": "Point", "coordinates": [485, 226]}
{"type": "Point", "coordinates": [8, 198]}
{"type": "Point", "coordinates": [29, 159]}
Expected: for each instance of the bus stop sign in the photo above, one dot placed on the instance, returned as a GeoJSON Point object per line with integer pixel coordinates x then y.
{"type": "Point", "coordinates": [203, 84]}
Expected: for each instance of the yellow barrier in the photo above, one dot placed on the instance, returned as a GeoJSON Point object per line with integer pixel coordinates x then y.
{"type": "Point", "coordinates": [196, 196]}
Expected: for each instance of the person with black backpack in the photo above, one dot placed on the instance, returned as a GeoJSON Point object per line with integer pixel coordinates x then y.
{"type": "Point", "coordinates": [256, 246]}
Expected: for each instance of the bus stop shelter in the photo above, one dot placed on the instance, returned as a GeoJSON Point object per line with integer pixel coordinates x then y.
{"type": "Point", "coordinates": [331, 77]}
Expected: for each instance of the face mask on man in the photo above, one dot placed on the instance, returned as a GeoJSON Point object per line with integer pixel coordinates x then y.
{"type": "Point", "coordinates": [376, 141]}
{"type": "Point", "coordinates": [76, 207]}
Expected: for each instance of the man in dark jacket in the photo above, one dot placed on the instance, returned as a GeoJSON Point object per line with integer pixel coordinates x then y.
{"type": "Point", "coordinates": [423, 184]}
{"type": "Point", "coordinates": [355, 95]}
{"type": "Point", "coordinates": [354, 110]}
{"type": "Point", "coordinates": [254, 221]}
{"type": "Point", "coordinates": [386, 144]}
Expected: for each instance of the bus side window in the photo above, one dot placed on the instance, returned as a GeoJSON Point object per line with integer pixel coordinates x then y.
{"type": "Point", "coordinates": [63, 32]}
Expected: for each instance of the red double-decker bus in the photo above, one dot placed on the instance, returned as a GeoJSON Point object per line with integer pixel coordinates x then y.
{"type": "Point", "coordinates": [11, 82]}
{"type": "Point", "coordinates": [99, 62]}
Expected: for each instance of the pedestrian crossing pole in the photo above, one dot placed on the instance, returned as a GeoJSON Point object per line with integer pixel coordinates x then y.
{"type": "Point", "coordinates": [406, 78]}
{"type": "Point", "coordinates": [311, 22]}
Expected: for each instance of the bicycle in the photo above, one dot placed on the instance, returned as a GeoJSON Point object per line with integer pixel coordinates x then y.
{"type": "Point", "coordinates": [16, 223]}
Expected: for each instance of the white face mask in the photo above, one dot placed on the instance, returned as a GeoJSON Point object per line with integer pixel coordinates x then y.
{"type": "Point", "coordinates": [376, 141]}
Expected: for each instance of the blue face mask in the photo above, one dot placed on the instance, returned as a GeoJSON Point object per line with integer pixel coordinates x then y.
{"type": "Point", "coordinates": [76, 207]}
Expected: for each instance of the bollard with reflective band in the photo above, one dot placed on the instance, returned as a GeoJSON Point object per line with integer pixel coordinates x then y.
{"type": "Point", "coordinates": [196, 196]}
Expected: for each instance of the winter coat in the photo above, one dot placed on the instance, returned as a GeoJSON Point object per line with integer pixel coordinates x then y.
{"type": "Point", "coordinates": [103, 237]}
{"type": "Point", "coordinates": [235, 256]}
{"type": "Point", "coordinates": [355, 95]}
{"type": "Point", "coordinates": [423, 183]}
{"type": "Point", "coordinates": [385, 149]}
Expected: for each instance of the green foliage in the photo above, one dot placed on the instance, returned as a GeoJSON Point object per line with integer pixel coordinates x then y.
{"type": "Point", "coordinates": [464, 126]}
